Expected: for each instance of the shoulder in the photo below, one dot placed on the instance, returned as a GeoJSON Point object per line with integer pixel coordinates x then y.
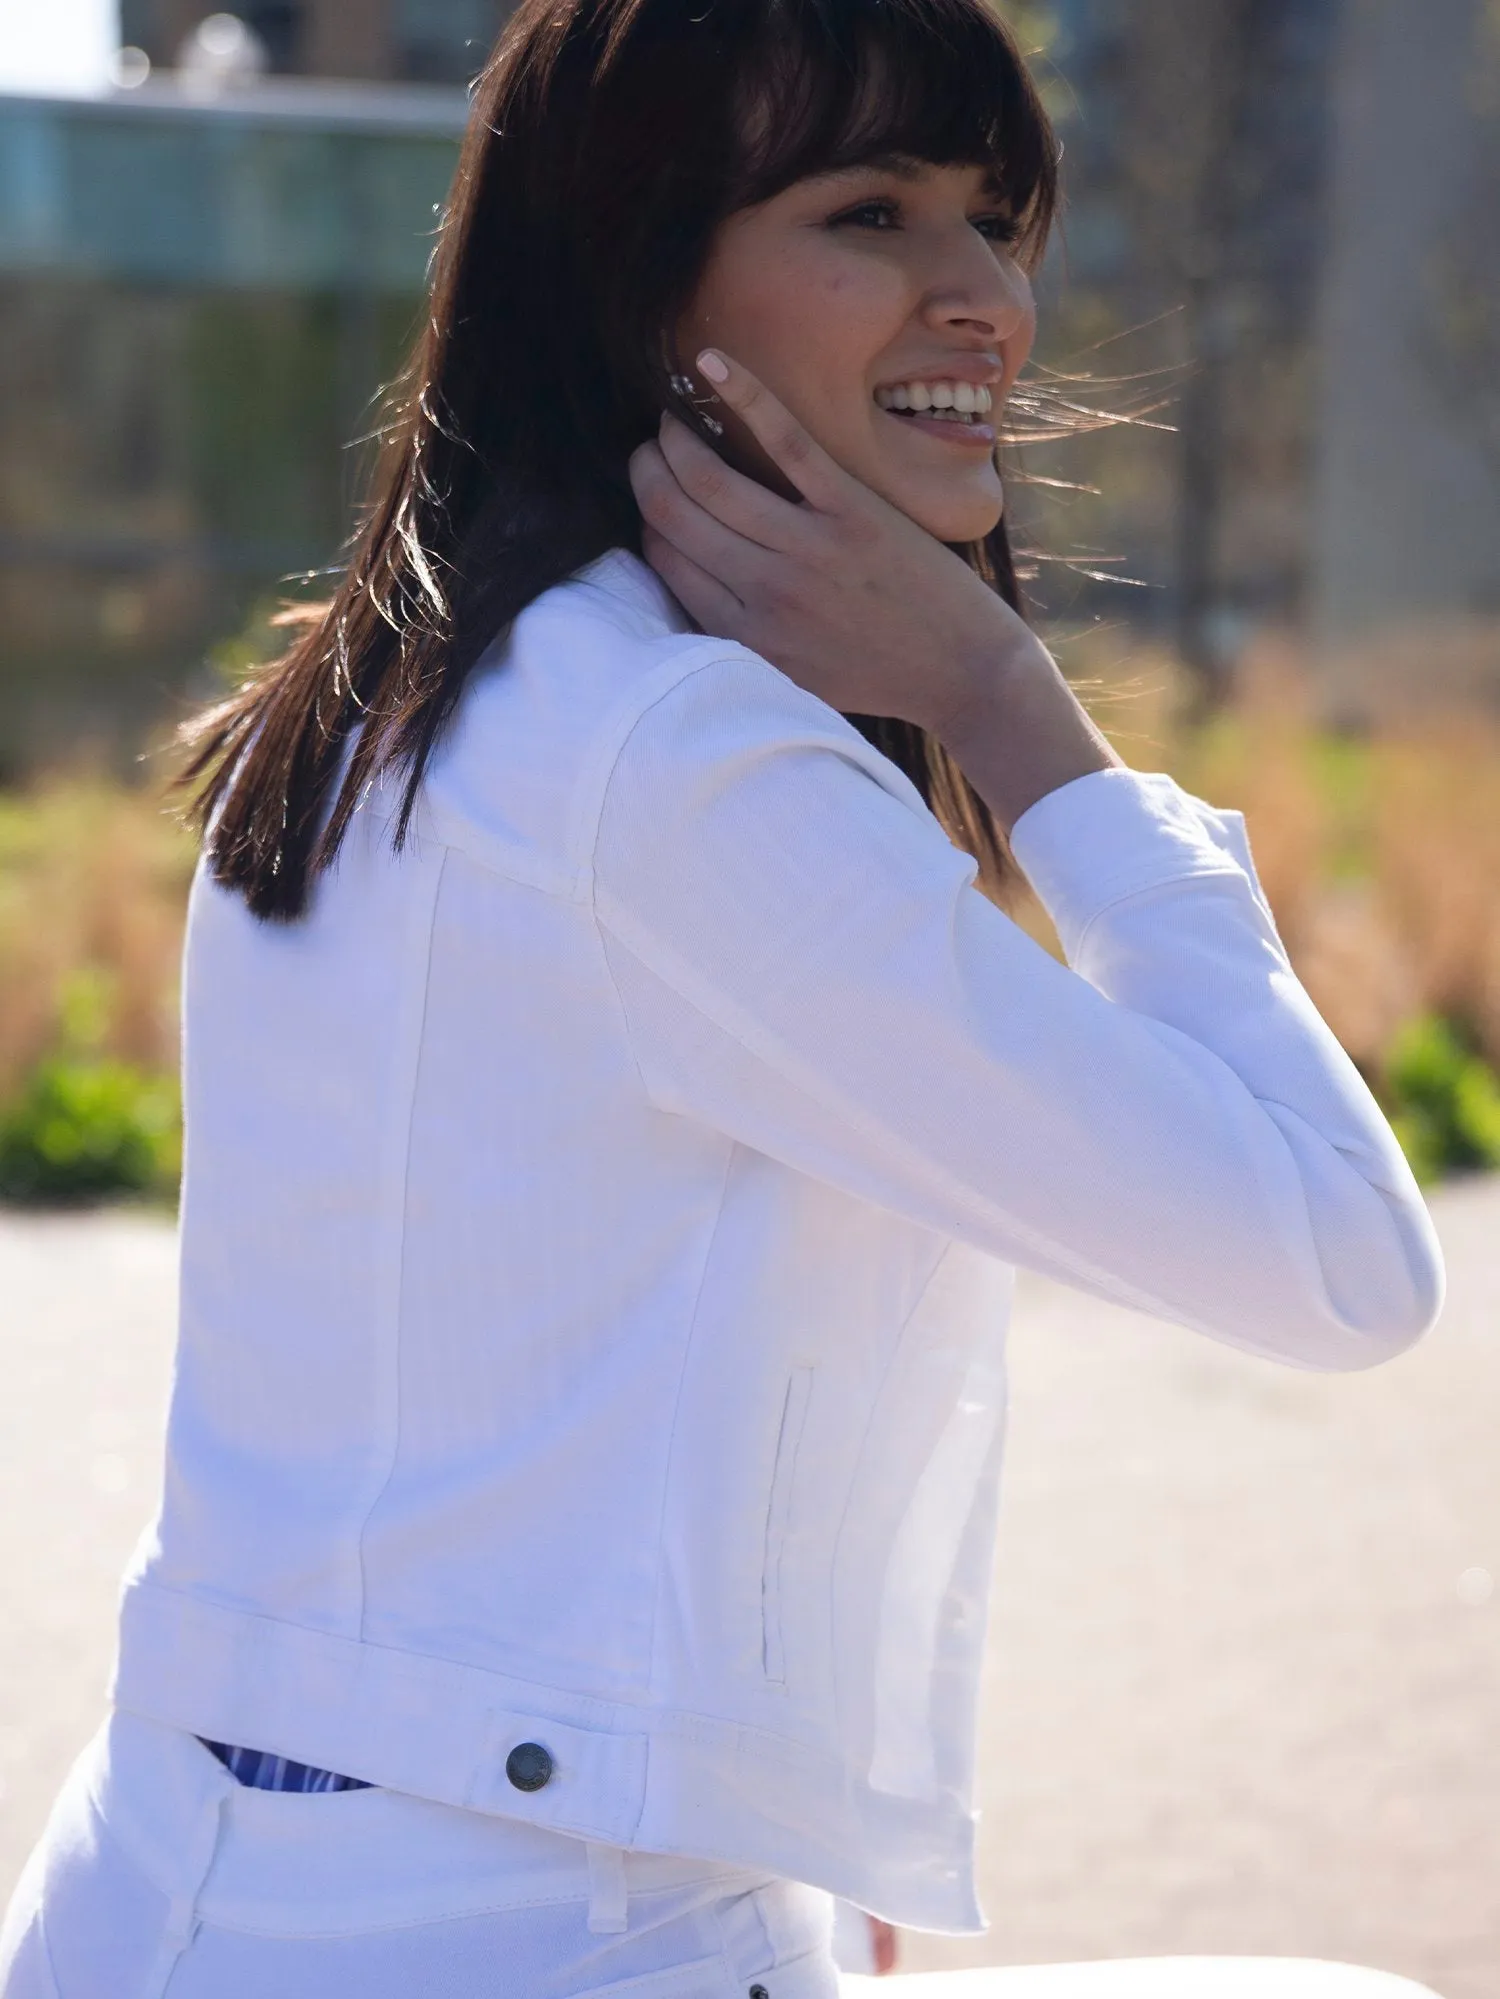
{"type": "Point", "coordinates": [602, 680]}
{"type": "Point", "coordinates": [724, 718]}
{"type": "Point", "coordinates": [577, 663]}
{"type": "Point", "coordinates": [564, 679]}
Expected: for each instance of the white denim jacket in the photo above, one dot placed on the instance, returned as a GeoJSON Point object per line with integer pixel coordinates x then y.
{"type": "Point", "coordinates": [598, 1238]}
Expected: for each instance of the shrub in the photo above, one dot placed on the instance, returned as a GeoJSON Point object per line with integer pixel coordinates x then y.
{"type": "Point", "coordinates": [1443, 1100]}
{"type": "Point", "coordinates": [1379, 851]}
{"type": "Point", "coordinates": [93, 888]}
{"type": "Point", "coordinates": [85, 1126]}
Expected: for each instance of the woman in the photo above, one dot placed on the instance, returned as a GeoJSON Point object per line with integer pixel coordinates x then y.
{"type": "Point", "coordinates": [613, 1112]}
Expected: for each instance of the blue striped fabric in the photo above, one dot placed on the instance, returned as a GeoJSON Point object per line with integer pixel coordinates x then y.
{"type": "Point", "coordinates": [264, 1772]}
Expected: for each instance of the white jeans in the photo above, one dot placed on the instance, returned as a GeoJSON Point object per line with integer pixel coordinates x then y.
{"type": "Point", "coordinates": [159, 1875]}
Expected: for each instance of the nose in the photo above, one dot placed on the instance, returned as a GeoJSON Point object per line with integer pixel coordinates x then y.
{"type": "Point", "coordinates": [981, 289]}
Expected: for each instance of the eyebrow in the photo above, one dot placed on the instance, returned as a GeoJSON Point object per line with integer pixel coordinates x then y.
{"type": "Point", "coordinates": [904, 166]}
{"type": "Point", "coordinates": [900, 166]}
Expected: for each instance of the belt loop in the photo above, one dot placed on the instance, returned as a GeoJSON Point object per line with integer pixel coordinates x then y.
{"type": "Point", "coordinates": [180, 1927]}
{"type": "Point", "coordinates": [183, 1921]}
{"type": "Point", "coordinates": [609, 1896]}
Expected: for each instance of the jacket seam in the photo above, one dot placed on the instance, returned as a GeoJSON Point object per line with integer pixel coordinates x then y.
{"type": "Point", "coordinates": [864, 1439]}
{"type": "Point", "coordinates": [390, 1357]}
{"type": "Point", "coordinates": [586, 806]}
{"type": "Point", "coordinates": [621, 1012]}
{"type": "Point", "coordinates": [569, 879]}
{"type": "Point", "coordinates": [712, 1237]}
{"type": "Point", "coordinates": [765, 1045]}
{"type": "Point", "coordinates": [1132, 887]}
{"type": "Point", "coordinates": [587, 879]}
{"type": "Point", "coordinates": [550, 1702]}
{"type": "Point", "coordinates": [612, 743]}
{"type": "Point", "coordinates": [969, 1203]}
{"type": "Point", "coordinates": [477, 1904]}
{"type": "Point", "coordinates": [788, 1452]}
{"type": "Point", "coordinates": [48, 1962]}
{"type": "Point", "coordinates": [970, 1207]}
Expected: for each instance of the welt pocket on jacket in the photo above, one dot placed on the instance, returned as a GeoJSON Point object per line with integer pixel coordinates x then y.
{"type": "Point", "coordinates": [779, 1516]}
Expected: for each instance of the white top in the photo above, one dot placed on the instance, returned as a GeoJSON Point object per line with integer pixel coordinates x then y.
{"type": "Point", "coordinates": [597, 1244]}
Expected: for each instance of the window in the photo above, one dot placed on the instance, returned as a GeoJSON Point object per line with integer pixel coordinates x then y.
{"type": "Point", "coordinates": [445, 41]}
{"type": "Point", "coordinates": [279, 23]}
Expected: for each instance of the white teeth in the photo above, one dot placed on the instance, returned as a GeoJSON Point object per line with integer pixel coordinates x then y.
{"type": "Point", "coordinates": [962, 398]}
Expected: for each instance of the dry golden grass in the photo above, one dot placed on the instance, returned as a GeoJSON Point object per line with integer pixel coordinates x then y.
{"type": "Point", "coordinates": [1380, 855]}
{"type": "Point", "coordinates": [93, 886]}
{"type": "Point", "coordinates": [1379, 851]}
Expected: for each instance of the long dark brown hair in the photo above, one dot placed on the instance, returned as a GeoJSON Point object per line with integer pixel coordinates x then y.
{"type": "Point", "coordinates": [607, 142]}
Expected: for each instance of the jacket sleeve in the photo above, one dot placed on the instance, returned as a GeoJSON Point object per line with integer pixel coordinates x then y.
{"type": "Point", "coordinates": [804, 963]}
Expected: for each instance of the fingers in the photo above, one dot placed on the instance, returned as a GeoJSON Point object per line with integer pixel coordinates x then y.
{"type": "Point", "coordinates": [723, 552]}
{"type": "Point", "coordinates": [884, 1947]}
{"type": "Point", "coordinates": [712, 607]}
{"type": "Point", "coordinates": [739, 502]}
{"type": "Point", "coordinates": [809, 467]}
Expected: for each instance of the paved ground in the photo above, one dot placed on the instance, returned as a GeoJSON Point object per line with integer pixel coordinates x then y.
{"type": "Point", "coordinates": [1245, 1686]}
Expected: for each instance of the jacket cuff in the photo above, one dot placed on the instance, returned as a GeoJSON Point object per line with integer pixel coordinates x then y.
{"type": "Point", "coordinates": [1118, 833]}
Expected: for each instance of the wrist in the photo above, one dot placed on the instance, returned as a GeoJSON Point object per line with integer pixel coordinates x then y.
{"type": "Point", "coordinates": [989, 651]}
{"type": "Point", "coordinates": [1018, 731]}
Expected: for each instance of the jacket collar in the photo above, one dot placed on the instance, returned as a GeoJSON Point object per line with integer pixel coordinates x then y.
{"type": "Point", "coordinates": [632, 583]}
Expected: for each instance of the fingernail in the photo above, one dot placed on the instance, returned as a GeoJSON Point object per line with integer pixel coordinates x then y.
{"type": "Point", "coordinates": [713, 365]}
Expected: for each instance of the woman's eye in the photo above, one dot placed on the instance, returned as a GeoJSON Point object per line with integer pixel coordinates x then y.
{"type": "Point", "coordinates": [998, 229]}
{"type": "Point", "coordinates": [868, 215]}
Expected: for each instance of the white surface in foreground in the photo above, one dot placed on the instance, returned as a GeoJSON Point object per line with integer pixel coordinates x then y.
{"type": "Point", "coordinates": [1149, 1978]}
{"type": "Point", "coordinates": [1244, 1684]}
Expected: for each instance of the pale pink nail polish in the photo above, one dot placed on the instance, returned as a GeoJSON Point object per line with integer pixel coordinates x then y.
{"type": "Point", "coordinates": [713, 365]}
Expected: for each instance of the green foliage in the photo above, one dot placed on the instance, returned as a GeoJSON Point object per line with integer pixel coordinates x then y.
{"type": "Point", "coordinates": [1444, 1100]}
{"type": "Point", "coordinates": [1036, 29]}
{"type": "Point", "coordinates": [83, 1123]}
{"type": "Point", "coordinates": [235, 658]}
{"type": "Point", "coordinates": [83, 1127]}
{"type": "Point", "coordinates": [1034, 22]}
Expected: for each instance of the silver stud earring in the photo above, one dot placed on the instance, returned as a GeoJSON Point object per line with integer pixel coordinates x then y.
{"type": "Point", "coordinates": [682, 385]}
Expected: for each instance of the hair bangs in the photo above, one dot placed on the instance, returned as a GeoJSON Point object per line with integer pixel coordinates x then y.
{"type": "Point", "coordinates": [835, 83]}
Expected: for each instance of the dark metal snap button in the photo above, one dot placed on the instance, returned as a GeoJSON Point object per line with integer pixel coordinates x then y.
{"type": "Point", "coordinates": [529, 1766]}
{"type": "Point", "coordinates": [759, 1992]}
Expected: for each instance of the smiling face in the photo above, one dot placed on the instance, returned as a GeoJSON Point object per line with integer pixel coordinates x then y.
{"type": "Point", "coordinates": [882, 305]}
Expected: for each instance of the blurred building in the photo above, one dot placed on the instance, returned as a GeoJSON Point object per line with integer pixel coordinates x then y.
{"type": "Point", "coordinates": [1293, 203]}
{"type": "Point", "coordinates": [204, 277]}
{"type": "Point", "coordinates": [1406, 487]}
{"type": "Point", "coordinates": [67, 46]}
{"type": "Point", "coordinates": [198, 300]}
{"type": "Point", "coordinates": [1197, 150]}
{"type": "Point", "coordinates": [387, 41]}
{"type": "Point", "coordinates": [1299, 201]}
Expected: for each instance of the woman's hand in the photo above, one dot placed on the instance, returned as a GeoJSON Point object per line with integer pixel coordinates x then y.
{"type": "Point", "coordinates": [855, 602]}
{"type": "Point", "coordinates": [885, 1948]}
{"type": "Point", "coordinates": [844, 593]}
